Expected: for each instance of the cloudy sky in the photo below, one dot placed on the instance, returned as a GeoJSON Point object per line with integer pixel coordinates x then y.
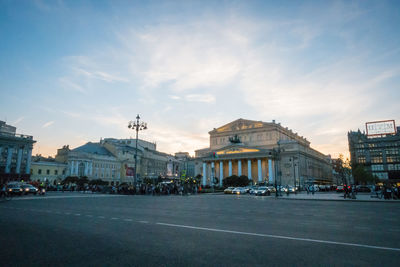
{"type": "Point", "coordinates": [77, 71]}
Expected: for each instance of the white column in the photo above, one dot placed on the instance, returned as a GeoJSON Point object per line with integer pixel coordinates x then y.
{"type": "Point", "coordinates": [91, 169]}
{"type": "Point", "coordinates": [270, 171]}
{"type": "Point", "coordinates": [230, 168]}
{"type": "Point", "coordinates": [19, 160]}
{"type": "Point", "coordinates": [239, 168]}
{"type": "Point", "coordinates": [71, 169]}
{"type": "Point", "coordinates": [249, 169]}
{"type": "Point", "coordinates": [86, 168]}
{"type": "Point", "coordinates": [77, 168]}
{"type": "Point", "coordinates": [28, 161]}
{"type": "Point", "coordinates": [259, 170]}
{"type": "Point", "coordinates": [221, 172]}
{"type": "Point", "coordinates": [212, 173]}
{"type": "Point", "coordinates": [204, 173]}
{"type": "Point", "coordinates": [8, 162]}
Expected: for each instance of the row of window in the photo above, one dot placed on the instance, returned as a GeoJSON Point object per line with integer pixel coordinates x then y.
{"type": "Point", "coordinates": [48, 172]}
{"type": "Point", "coordinates": [255, 137]}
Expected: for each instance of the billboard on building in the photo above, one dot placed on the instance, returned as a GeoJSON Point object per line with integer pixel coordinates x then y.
{"type": "Point", "coordinates": [380, 127]}
{"type": "Point", "coordinates": [130, 171]}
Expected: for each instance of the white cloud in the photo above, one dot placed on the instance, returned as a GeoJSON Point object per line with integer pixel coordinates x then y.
{"type": "Point", "coordinates": [47, 124]}
{"type": "Point", "coordinates": [203, 98]}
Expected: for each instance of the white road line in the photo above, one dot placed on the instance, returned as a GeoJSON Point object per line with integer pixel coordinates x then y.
{"type": "Point", "coordinates": [71, 196]}
{"type": "Point", "coordinates": [77, 214]}
{"type": "Point", "coordinates": [114, 218]}
{"type": "Point", "coordinates": [279, 236]}
{"type": "Point", "coordinates": [101, 217]}
{"type": "Point", "coordinates": [90, 216]}
{"type": "Point", "coordinates": [143, 221]}
{"type": "Point", "coordinates": [128, 220]}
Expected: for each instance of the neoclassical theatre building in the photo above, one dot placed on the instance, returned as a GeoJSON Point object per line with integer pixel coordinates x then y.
{"type": "Point", "coordinates": [265, 152]}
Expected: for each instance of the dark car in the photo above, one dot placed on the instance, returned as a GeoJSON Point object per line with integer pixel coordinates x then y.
{"type": "Point", "coordinates": [363, 188]}
{"type": "Point", "coordinates": [29, 189]}
{"type": "Point", "coordinates": [14, 189]}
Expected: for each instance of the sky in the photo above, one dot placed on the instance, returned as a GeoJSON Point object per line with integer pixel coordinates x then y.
{"type": "Point", "coordinates": [73, 72]}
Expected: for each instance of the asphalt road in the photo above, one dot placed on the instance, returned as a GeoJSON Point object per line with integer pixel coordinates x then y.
{"type": "Point", "coordinates": [203, 230]}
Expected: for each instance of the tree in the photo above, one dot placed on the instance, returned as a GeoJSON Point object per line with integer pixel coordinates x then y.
{"type": "Point", "coordinates": [361, 176]}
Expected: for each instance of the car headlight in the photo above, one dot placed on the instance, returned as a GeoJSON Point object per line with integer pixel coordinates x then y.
{"type": "Point", "coordinates": [26, 189]}
{"type": "Point", "coordinates": [20, 189]}
{"type": "Point", "coordinates": [9, 190]}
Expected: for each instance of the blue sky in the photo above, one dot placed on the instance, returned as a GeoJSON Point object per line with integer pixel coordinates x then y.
{"type": "Point", "coordinates": [76, 71]}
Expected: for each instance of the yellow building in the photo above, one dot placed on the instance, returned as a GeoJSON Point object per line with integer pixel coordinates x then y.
{"type": "Point", "coordinates": [45, 169]}
{"type": "Point", "coordinates": [265, 152]}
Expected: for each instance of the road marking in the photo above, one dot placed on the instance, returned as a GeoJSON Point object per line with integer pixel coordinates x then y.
{"type": "Point", "coordinates": [101, 217]}
{"type": "Point", "coordinates": [90, 216]}
{"type": "Point", "coordinates": [67, 213]}
{"type": "Point", "coordinates": [114, 218]}
{"type": "Point", "coordinates": [278, 236]}
{"type": "Point", "coordinates": [128, 220]}
{"type": "Point", "coordinates": [143, 221]}
{"type": "Point", "coordinates": [77, 214]}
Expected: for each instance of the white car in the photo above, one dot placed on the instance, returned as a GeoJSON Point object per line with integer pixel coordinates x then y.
{"type": "Point", "coordinates": [239, 191]}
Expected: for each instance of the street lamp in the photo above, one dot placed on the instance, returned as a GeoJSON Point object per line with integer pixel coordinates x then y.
{"type": "Point", "coordinates": [138, 126]}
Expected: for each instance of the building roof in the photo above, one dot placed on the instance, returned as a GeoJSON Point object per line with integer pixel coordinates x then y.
{"type": "Point", "coordinates": [93, 148]}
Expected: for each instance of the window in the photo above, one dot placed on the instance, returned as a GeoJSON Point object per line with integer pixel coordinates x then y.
{"type": "Point", "coordinates": [376, 159]}
{"type": "Point", "coordinates": [47, 172]}
{"type": "Point", "coordinates": [377, 167]}
{"type": "Point", "coordinates": [55, 172]}
{"type": "Point", "coordinates": [39, 171]}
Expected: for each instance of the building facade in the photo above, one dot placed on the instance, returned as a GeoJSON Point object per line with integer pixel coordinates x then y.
{"type": "Point", "coordinates": [15, 154]}
{"type": "Point", "coordinates": [113, 160]}
{"type": "Point", "coordinates": [380, 155]}
{"type": "Point", "coordinates": [265, 153]}
{"type": "Point", "coordinates": [48, 170]}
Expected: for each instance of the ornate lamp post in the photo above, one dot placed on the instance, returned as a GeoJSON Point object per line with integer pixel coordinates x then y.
{"type": "Point", "coordinates": [138, 126]}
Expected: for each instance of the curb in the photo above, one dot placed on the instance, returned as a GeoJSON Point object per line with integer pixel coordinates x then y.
{"type": "Point", "coordinates": [340, 200]}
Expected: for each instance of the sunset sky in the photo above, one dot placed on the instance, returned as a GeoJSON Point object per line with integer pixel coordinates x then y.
{"type": "Point", "coordinates": [77, 71]}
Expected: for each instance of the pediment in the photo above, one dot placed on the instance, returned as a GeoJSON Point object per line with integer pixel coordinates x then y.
{"type": "Point", "coordinates": [239, 125]}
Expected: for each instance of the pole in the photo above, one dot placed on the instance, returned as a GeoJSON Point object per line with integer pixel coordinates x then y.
{"type": "Point", "coordinates": [137, 135]}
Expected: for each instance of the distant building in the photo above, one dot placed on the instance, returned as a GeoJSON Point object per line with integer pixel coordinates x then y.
{"type": "Point", "coordinates": [48, 170]}
{"type": "Point", "coordinates": [15, 154]}
{"type": "Point", "coordinates": [113, 160]}
{"type": "Point", "coordinates": [379, 154]}
{"type": "Point", "coordinates": [91, 160]}
{"type": "Point", "coordinates": [262, 151]}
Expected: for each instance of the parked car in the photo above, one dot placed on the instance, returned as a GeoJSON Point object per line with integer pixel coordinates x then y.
{"type": "Point", "coordinates": [228, 190]}
{"type": "Point", "coordinates": [29, 189]}
{"type": "Point", "coordinates": [239, 191]}
{"type": "Point", "coordinates": [339, 188]}
{"type": "Point", "coordinates": [262, 191]}
{"type": "Point", "coordinates": [14, 189]}
{"type": "Point", "coordinates": [363, 188]}
{"type": "Point", "coordinates": [253, 190]}
{"type": "Point", "coordinates": [271, 189]}
{"type": "Point", "coordinates": [292, 189]}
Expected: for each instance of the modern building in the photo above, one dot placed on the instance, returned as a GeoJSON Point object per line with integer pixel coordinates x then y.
{"type": "Point", "coordinates": [15, 154]}
{"type": "Point", "coordinates": [379, 154]}
{"type": "Point", "coordinates": [265, 152]}
{"type": "Point", "coordinates": [48, 170]}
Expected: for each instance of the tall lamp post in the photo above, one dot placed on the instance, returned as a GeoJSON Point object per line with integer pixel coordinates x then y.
{"type": "Point", "coordinates": [137, 126]}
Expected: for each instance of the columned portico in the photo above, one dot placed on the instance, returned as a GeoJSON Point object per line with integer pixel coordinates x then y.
{"type": "Point", "coordinates": [230, 168]}
{"type": "Point", "coordinates": [221, 172]}
{"type": "Point", "coordinates": [19, 160]}
{"type": "Point", "coordinates": [9, 157]}
{"type": "Point", "coordinates": [239, 168]}
{"type": "Point", "coordinates": [249, 169]}
{"type": "Point", "coordinates": [204, 173]}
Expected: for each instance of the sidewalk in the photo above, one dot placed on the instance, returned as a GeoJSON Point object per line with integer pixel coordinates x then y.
{"type": "Point", "coordinates": [333, 196]}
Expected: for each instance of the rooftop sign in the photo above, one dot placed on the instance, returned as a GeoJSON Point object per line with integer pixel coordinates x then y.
{"type": "Point", "coordinates": [380, 127]}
